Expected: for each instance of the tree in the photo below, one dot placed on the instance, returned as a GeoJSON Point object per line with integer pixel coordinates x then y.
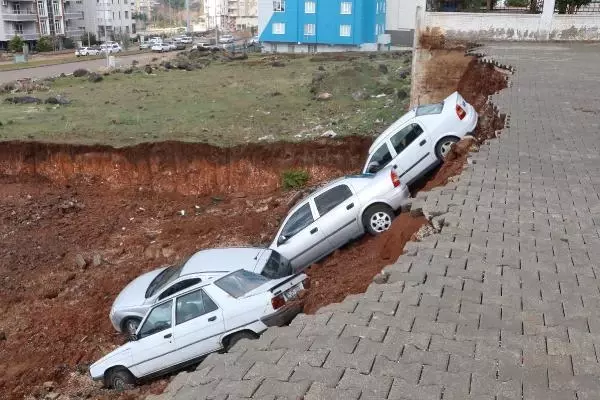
{"type": "Point", "coordinates": [570, 6]}
{"type": "Point", "coordinates": [16, 44]}
{"type": "Point", "coordinates": [44, 44]}
{"type": "Point", "coordinates": [92, 39]}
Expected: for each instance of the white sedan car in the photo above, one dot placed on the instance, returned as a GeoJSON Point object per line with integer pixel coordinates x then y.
{"type": "Point", "coordinates": [421, 139]}
{"type": "Point", "coordinates": [139, 295]}
{"type": "Point", "coordinates": [160, 47]}
{"type": "Point", "coordinates": [339, 212]}
{"type": "Point", "coordinates": [207, 317]}
{"type": "Point", "coordinates": [86, 51]}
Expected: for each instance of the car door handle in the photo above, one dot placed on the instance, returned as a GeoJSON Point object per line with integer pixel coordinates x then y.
{"type": "Point", "coordinates": [211, 319]}
{"type": "Point", "coordinates": [422, 142]}
{"type": "Point", "coordinates": [314, 230]}
{"type": "Point", "coordinates": [168, 335]}
{"type": "Point", "coordinates": [350, 206]}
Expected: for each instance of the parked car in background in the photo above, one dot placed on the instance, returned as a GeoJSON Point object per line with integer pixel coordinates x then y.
{"type": "Point", "coordinates": [160, 47]}
{"type": "Point", "coordinates": [138, 296]}
{"type": "Point", "coordinates": [87, 51]}
{"type": "Point", "coordinates": [145, 45]}
{"type": "Point", "coordinates": [204, 45]}
{"type": "Point", "coordinates": [337, 213]}
{"type": "Point", "coordinates": [226, 39]}
{"type": "Point", "coordinates": [187, 39]}
{"type": "Point", "coordinates": [422, 138]}
{"type": "Point", "coordinates": [179, 45]}
{"type": "Point", "coordinates": [110, 48]}
{"type": "Point", "coordinates": [212, 315]}
{"type": "Point", "coordinates": [170, 44]}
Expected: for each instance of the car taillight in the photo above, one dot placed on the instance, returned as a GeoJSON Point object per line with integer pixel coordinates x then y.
{"type": "Point", "coordinates": [306, 283]}
{"type": "Point", "coordinates": [460, 112]}
{"type": "Point", "coordinates": [395, 179]}
{"type": "Point", "coordinates": [278, 302]}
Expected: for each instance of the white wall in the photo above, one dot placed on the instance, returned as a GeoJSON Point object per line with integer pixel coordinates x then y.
{"type": "Point", "coordinates": [400, 14]}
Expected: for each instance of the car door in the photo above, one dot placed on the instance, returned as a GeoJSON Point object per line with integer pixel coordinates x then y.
{"type": "Point", "coordinates": [411, 151]}
{"type": "Point", "coordinates": [154, 348]}
{"type": "Point", "coordinates": [337, 208]}
{"type": "Point", "coordinates": [300, 239]}
{"type": "Point", "coordinates": [198, 325]}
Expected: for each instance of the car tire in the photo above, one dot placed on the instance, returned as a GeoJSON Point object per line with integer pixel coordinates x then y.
{"type": "Point", "coordinates": [236, 337]}
{"type": "Point", "coordinates": [130, 326]}
{"type": "Point", "coordinates": [443, 146]}
{"type": "Point", "coordinates": [378, 218]}
{"type": "Point", "coordinates": [120, 379]}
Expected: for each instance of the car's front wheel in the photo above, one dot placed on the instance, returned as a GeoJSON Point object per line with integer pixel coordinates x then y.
{"type": "Point", "coordinates": [130, 326]}
{"type": "Point", "coordinates": [378, 218]}
{"type": "Point", "coordinates": [236, 337]}
{"type": "Point", "coordinates": [120, 379]}
{"type": "Point", "coordinates": [442, 148]}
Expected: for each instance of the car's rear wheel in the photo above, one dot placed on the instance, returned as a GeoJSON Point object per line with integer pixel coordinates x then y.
{"type": "Point", "coordinates": [130, 326]}
{"type": "Point", "coordinates": [378, 218]}
{"type": "Point", "coordinates": [120, 379]}
{"type": "Point", "coordinates": [443, 146]}
{"type": "Point", "coordinates": [236, 337]}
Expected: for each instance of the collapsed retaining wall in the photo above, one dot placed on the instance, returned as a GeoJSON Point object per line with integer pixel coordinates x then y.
{"type": "Point", "coordinates": [186, 168]}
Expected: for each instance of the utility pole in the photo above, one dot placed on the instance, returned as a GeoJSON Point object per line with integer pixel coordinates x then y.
{"type": "Point", "coordinates": [187, 16]}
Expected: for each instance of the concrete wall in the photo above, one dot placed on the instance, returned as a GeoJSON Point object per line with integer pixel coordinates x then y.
{"type": "Point", "coordinates": [511, 26]}
{"type": "Point", "coordinates": [400, 21]}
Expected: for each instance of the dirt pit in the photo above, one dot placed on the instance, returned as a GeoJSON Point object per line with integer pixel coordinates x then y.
{"type": "Point", "coordinates": [77, 224]}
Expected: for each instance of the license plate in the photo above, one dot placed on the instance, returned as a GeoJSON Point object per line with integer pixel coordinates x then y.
{"type": "Point", "coordinates": [292, 292]}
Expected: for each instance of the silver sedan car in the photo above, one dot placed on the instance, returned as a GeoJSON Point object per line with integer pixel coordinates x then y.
{"type": "Point", "coordinates": [339, 212]}
{"type": "Point", "coordinates": [142, 293]}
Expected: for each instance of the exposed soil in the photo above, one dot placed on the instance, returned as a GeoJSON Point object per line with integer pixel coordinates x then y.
{"type": "Point", "coordinates": [127, 211]}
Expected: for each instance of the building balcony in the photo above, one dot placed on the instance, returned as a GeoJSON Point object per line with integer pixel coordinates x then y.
{"type": "Point", "coordinates": [25, 35]}
{"type": "Point", "coordinates": [73, 15]}
{"type": "Point", "coordinates": [74, 33]}
{"type": "Point", "coordinates": [24, 15]}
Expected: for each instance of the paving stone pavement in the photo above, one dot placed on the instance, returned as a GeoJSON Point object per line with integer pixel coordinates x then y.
{"type": "Point", "coordinates": [502, 304]}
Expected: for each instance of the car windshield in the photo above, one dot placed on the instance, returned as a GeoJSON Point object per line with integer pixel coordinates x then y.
{"type": "Point", "coordinates": [429, 109]}
{"type": "Point", "coordinates": [277, 266]}
{"type": "Point", "coordinates": [165, 277]}
{"type": "Point", "coordinates": [240, 282]}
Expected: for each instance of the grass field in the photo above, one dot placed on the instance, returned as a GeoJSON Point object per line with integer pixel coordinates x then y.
{"type": "Point", "coordinates": [224, 104]}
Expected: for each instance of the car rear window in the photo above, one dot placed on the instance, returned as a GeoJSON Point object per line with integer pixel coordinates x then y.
{"type": "Point", "coordinates": [430, 109]}
{"type": "Point", "coordinates": [277, 266]}
{"type": "Point", "coordinates": [240, 282]}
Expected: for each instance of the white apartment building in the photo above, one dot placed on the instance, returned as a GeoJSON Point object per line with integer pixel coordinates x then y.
{"type": "Point", "coordinates": [231, 14]}
{"type": "Point", "coordinates": [31, 19]}
{"type": "Point", "coordinates": [109, 18]}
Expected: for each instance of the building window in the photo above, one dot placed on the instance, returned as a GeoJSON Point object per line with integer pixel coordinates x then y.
{"type": "Point", "coordinates": [309, 29]}
{"type": "Point", "coordinates": [56, 8]}
{"type": "Point", "coordinates": [346, 8]}
{"type": "Point", "coordinates": [57, 27]}
{"type": "Point", "coordinates": [279, 5]}
{"type": "Point", "coordinates": [126, 15]}
{"type": "Point", "coordinates": [310, 7]}
{"type": "Point", "coordinates": [345, 30]}
{"type": "Point", "coordinates": [19, 28]}
{"type": "Point", "coordinates": [45, 28]}
{"type": "Point", "coordinates": [119, 14]}
{"type": "Point", "coordinates": [278, 28]}
{"type": "Point", "coordinates": [41, 9]}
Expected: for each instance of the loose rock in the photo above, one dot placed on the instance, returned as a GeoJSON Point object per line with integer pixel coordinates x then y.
{"type": "Point", "coordinates": [148, 69]}
{"type": "Point", "coordinates": [80, 72]}
{"type": "Point", "coordinates": [96, 260]}
{"type": "Point", "coordinates": [94, 77]}
{"type": "Point", "coordinates": [329, 134]}
{"type": "Point", "coordinates": [80, 261]}
{"type": "Point", "coordinates": [278, 64]}
{"type": "Point", "coordinates": [58, 99]}
{"type": "Point", "coordinates": [383, 68]}
{"type": "Point", "coordinates": [360, 95]}
{"type": "Point", "coordinates": [2, 335]}
{"type": "Point", "coordinates": [23, 100]}
{"type": "Point", "coordinates": [324, 96]}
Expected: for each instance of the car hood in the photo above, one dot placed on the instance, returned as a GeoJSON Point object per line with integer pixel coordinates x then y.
{"type": "Point", "coordinates": [134, 294]}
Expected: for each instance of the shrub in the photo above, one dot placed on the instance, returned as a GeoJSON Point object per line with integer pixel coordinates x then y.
{"type": "Point", "coordinates": [517, 3]}
{"type": "Point", "coordinates": [80, 72]}
{"type": "Point", "coordinates": [68, 43]}
{"type": "Point", "coordinates": [16, 44]}
{"type": "Point", "coordinates": [294, 178]}
{"type": "Point", "coordinates": [44, 44]}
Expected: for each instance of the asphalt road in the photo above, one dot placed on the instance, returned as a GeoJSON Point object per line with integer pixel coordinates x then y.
{"type": "Point", "coordinates": [53, 70]}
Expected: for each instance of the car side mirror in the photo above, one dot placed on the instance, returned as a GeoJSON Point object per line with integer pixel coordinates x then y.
{"type": "Point", "coordinates": [373, 167]}
{"type": "Point", "coordinates": [282, 239]}
{"type": "Point", "coordinates": [133, 337]}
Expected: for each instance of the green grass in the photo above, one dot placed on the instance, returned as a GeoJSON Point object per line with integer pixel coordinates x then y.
{"type": "Point", "coordinates": [223, 104]}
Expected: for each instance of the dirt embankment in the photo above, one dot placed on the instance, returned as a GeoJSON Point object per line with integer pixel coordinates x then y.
{"type": "Point", "coordinates": [185, 168]}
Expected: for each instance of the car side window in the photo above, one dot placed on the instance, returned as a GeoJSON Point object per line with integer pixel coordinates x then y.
{"type": "Point", "coordinates": [405, 137]}
{"type": "Point", "coordinates": [158, 320]}
{"type": "Point", "coordinates": [193, 305]}
{"type": "Point", "coordinates": [380, 158]}
{"type": "Point", "coordinates": [327, 201]}
{"type": "Point", "coordinates": [178, 287]}
{"type": "Point", "coordinates": [298, 221]}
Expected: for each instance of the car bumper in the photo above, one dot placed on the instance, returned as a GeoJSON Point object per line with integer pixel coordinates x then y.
{"type": "Point", "coordinates": [283, 316]}
{"type": "Point", "coordinates": [472, 122]}
{"type": "Point", "coordinates": [398, 198]}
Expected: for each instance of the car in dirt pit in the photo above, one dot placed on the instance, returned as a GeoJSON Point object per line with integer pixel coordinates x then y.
{"type": "Point", "coordinates": [339, 212]}
{"type": "Point", "coordinates": [210, 316]}
{"type": "Point", "coordinates": [421, 139]}
{"type": "Point", "coordinates": [139, 295]}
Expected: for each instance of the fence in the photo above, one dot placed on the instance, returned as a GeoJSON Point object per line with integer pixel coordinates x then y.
{"type": "Point", "coordinates": [577, 7]}
{"type": "Point", "coordinates": [486, 6]}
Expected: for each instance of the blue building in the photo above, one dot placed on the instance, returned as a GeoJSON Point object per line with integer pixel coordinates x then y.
{"type": "Point", "coordinates": [320, 25]}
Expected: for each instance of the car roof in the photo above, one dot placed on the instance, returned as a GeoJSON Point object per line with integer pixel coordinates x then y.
{"type": "Point", "coordinates": [330, 184]}
{"type": "Point", "coordinates": [223, 259]}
